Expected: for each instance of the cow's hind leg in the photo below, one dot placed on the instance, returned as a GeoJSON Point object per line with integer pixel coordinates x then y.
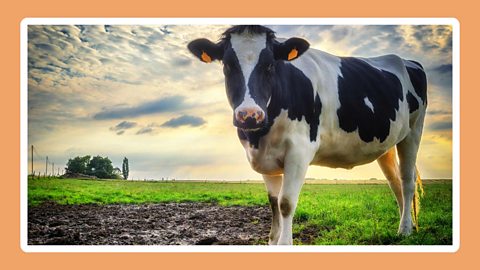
{"type": "Point", "coordinates": [407, 155]}
{"type": "Point", "coordinates": [273, 184]}
{"type": "Point", "coordinates": [389, 165]}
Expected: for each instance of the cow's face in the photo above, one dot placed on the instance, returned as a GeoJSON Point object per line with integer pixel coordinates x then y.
{"type": "Point", "coordinates": [249, 61]}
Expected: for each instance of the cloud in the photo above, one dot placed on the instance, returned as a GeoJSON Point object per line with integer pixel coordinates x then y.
{"type": "Point", "coordinates": [431, 37]}
{"type": "Point", "coordinates": [446, 68]}
{"type": "Point", "coordinates": [167, 104]}
{"type": "Point", "coordinates": [125, 125]}
{"type": "Point", "coordinates": [441, 76]}
{"type": "Point", "coordinates": [122, 126]}
{"type": "Point", "coordinates": [339, 33]}
{"type": "Point", "coordinates": [443, 125]}
{"type": "Point", "coordinates": [439, 112]}
{"type": "Point", "coordinates": [48, 47]}
{"type": "Point", "coordinates": [114, 79]}
{"type": "Point", "coordinates": [145, 130]}
{"type": "Point", "coordinates": [184, 120]}
{"type": "Point", "coordinates": [182, 62]}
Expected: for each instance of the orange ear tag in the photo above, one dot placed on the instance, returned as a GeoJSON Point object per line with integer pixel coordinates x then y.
{"type": "Point", "coordinates": [206, 58]}
{"type": "Point", "coordinates": [293, 54]}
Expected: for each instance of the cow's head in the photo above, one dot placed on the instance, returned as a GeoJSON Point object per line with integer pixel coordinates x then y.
{"type": "Point", "coordinates": [249, 55]}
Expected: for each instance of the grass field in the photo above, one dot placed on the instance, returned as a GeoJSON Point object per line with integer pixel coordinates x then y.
{"type": "Point", "coordinates": [347, 214]}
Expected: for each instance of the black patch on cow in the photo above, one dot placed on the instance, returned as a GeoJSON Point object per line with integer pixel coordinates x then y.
{"type": "Point", "coordinates": [293, 92]}
{"type": "Point", "coordinates": [234, 80]}
{"type": "Point", "coordinates": [274, 206]}
{"type": "Point", "coordinates": [241, 134]}
{"type": "Point", "coordinates": [412, 102]}
{"type": "Point", "coordinates": [275, 216]}
{"type": "Point", "coordinates": [251, 29]}
{"type": "Point", "coordinates": [315, 121]}
{"type": "Point", "coordinates": [358, 81]}
{"type": "Point", "coordinates": [285, 207]}
{"type": "Point", "coordinates": [262, 79]}
{"type": "Point", "coordinates": [419, 81]}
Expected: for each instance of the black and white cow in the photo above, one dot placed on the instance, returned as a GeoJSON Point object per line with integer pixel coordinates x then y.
{"type": "Point", "coordinates": [295, 107]}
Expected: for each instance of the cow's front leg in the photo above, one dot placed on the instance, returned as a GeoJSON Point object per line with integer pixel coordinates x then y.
{"type": "Point", "coordinates": [293, 178]}
{"type": "Point", "coordinates": [273, 184]}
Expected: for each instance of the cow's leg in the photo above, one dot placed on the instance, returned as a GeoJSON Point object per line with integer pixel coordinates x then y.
{"type": "Point", "coordinates": [389, 165]}
{"type": "Point", "coordinates": [274, 184]}
{"type": "Point", "coordinates": [407, 155]}
{"type": "Point", "coordinates": [293, 178]}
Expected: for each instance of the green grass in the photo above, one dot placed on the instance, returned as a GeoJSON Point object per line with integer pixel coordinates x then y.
{"type": "Point", "coordinates": [73, 191]}
{"type": "Point", "coordinates": [349, 214]}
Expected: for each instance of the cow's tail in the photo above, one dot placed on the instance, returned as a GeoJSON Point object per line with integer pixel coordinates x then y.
{"type": "Point", "coordinates": [419, 192]}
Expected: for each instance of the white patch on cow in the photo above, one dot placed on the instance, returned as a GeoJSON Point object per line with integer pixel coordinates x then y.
{"type": "Point", "coordinates": [390, 62]}
{"type": "Point", "coordinates": [269, 158]}
{"type": "Point", "coordinates": [247, 48]}
{"type": "Point", "coordinates": [369, 104]}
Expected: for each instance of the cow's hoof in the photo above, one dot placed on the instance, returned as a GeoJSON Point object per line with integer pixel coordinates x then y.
{"type": "Point", "coordinates": [273, 239]}
{"type": "Point", "coordinates": [273, 242]}
{"type": "Point", "coordinates": [405, 230]}
{"type": "Point", "coordinates": [285, 242]}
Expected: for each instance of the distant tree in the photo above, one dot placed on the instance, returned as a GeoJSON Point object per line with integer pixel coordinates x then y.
{"type": "Point", "coordinates": [125, 169]}
{"type": "Point", "coordinates": [101, 167]}
{"type": "Point", "coordinates": [117, 173]}
{"type": "Point", "coordinates": [78, 164]}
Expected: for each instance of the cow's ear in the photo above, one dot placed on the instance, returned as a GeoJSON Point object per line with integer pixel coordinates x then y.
{"type": "Point", "coordinates": [290, 49]}
{"type": "Point", "coordinates": [205, 50]}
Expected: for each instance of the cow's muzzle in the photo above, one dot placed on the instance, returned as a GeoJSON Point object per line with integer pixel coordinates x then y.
{"type": "Point", "coordinates": [249, 119]}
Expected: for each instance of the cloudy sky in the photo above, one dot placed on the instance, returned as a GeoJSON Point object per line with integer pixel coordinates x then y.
{"type": "Point", "coordinates": [136, 92]}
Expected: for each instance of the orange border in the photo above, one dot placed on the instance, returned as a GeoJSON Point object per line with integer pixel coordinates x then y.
{"type": "Point", "coordinates": [11, 16]}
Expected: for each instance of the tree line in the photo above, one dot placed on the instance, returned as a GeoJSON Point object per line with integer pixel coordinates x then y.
{"type": "Point", "coordinates": [100, 167]}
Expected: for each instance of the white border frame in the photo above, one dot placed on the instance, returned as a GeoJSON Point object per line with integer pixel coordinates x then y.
{"type": "Point", "coordinates": [270, 21]}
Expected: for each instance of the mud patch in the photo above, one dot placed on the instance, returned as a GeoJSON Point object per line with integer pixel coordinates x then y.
{"type": "Point", "coordinates": [148, 224]}
{"type": "Point", "coordinates": [309, 233]}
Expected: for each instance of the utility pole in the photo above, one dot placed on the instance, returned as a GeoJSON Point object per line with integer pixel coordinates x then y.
{"type": "Point", "coordinates": [46, 166]}
{"type": "Point", "coordinates": [32, 159]}
{"type": "Point", "coordinates": [53, 168]}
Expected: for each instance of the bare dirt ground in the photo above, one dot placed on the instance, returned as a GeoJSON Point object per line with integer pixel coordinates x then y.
{"type": "Point", "coordinates": [148, 224]}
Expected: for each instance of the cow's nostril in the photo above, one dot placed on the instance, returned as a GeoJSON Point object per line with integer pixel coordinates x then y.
{"type": "Point", "coordinates": [260, 116]}
{"type": "Point", "coordinates": [241, 115]}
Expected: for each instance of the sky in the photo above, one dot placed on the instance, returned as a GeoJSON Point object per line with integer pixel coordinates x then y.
{"type": "Point", "coordinates": [135, 91]}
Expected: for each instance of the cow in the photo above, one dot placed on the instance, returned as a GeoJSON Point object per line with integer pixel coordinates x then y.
{"type": "Point", "coordinates": [295, 106]}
